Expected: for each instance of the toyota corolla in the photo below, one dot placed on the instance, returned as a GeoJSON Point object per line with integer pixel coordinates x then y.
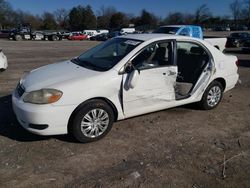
{"type": "Point", "coordinates": [123, 77]}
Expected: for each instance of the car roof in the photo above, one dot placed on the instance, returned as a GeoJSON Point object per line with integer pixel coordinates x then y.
{"type": "Point", "coordinates": [150, 36]}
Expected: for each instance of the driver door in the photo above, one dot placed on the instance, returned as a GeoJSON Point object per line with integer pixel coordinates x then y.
{"type": "Point", "coordinates": [155, 80]}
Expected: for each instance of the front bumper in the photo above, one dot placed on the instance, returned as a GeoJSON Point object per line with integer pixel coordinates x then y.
{"type": "Point", "coordinates": [30, 116]}
{"type": "Point", "coordinates": [3, 61]}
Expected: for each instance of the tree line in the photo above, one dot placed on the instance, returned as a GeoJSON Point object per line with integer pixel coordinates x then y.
{"type": "Point", "coordinates": [82, 17]}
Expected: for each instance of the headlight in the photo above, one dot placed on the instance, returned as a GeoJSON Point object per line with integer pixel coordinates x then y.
{"type": "Point", "coordinates": [43, 96]}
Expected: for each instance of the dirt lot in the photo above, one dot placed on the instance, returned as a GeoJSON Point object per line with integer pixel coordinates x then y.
{"type": "Point", "coordinates": [180, 147]}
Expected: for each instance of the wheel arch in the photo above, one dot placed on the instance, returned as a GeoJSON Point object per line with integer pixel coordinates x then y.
{"type": "Point", "coordinates": [109, 102]}
{"type": "Point", "coordinates": [222, 81]}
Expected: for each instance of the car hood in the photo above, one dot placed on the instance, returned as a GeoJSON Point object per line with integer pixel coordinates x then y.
{"type": "Point", "coordinates": [49, 75]}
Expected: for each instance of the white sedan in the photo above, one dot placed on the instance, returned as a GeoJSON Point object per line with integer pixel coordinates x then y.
{"type": "Point", "coordinates": [123, 77]}
{"type": "Point", "coordinates": [3, 61]}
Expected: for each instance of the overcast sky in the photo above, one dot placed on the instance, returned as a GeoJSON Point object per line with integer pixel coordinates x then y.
{"type": "Point", "coordinates": [158, 7]}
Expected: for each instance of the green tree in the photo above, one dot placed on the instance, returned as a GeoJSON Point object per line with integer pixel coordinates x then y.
{"type": "Point", "coordinates": [175, 18]}
{"type": "Point", "coordinates": [118, 20]}
{"type": "Point", "coordinates": [76, 18]}
{"type": "Point", "coordinates": [19, 17]}
{"type": "Point", "coordinates": [104, 16]}
{"type": "Point", "coordinates": [49, 22]}
{"type": "Point", "coordinates": [90, 18]}
{"type": "Point", "coordinates": [5, 14]}
{"type": "Point", "coordinates": [81, 18]}
{"type": "Point", "coordinates": [147, 20]}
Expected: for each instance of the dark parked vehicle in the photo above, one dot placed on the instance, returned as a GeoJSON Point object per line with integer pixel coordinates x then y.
{"type": "Point", "coordinates": [106, 36]}
{"type": "Point", "coordinates": [4, 33]}
{"type": "Point", "coordinates": [101, 37]}
{"type": "Point", "coordinates": [24, 32]}
{"type": "Point", "coordinates": [239, 28]}
{"type": "Point", "coordinates": [65, 34]}
{"type": "Point", "coordinates": [237, 39]}
{"type": "Point", "coordinates": [246, 46]}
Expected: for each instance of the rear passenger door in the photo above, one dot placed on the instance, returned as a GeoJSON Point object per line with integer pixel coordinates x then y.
{"type": "Point", "coordinates": [194, 64]}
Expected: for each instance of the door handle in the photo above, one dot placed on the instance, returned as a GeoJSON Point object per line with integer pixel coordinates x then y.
{"type": "Point", "coordinates": [171, 73]}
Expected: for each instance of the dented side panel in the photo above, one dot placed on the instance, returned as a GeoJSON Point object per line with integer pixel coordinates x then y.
{"type": "Point", "coordinates": [154, 91]}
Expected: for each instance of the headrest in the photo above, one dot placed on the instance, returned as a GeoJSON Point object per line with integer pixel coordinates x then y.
{"type": "Point", "coordinates": [197, 50]}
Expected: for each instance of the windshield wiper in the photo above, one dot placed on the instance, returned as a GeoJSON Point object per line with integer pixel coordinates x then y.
{"type": "Point", "coordinates": [87, 64]}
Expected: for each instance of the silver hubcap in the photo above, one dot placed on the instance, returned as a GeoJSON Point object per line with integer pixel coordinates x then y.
{"type": "Point", "coordinates": [94, 123]}
{"type": "Point", "coordinates": [214, 96]}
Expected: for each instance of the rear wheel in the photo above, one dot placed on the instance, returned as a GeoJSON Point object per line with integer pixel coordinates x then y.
{"type": "Point", "coordinates": [54, 38]}
{"type": "Point", "coordinates": [93, 121]}
{"type": "Point", "coordinates": [212, 96]}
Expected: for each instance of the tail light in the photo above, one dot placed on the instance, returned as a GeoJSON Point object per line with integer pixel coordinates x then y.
{"type": "Point", "coordinates": [237, 63]}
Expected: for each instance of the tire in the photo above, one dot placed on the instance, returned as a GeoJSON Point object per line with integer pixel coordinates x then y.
{"type": "Point", "coordinates": [237, 45]}
{"type": "Point", "coordinates": [54, 37]}
{"type": "Point", "coordinates": [92, 116]}
{"type": "Point", "coordinates": [212, 96]}
{"type": "Point", "coordinates": [18, 37]}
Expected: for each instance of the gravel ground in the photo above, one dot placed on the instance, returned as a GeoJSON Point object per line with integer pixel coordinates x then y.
{"type": "Point", "coordinates": [179, 147]}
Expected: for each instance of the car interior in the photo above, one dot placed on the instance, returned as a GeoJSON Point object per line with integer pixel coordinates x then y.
{"type": "Point", "coordinates": [191, 61]}
{"type": "Point", "coordinates": [155, 55]}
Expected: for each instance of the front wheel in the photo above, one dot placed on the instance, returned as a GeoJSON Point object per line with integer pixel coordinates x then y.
{"type": "Point", "coordinates": [212, 96]}
{"type": "Point", "coordinates": [18, 37]}
{"type": "Point", "coordinates": [93, 121]}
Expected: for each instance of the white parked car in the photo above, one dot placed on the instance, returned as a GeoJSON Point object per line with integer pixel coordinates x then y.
{"type": "Point", "coordinates": [123, 77]}
{"type": "Point", "coordinates": [102, 31]}
{"type": "Point", "coordinates": [124, 31]}
{"type": "Point", "coordinates": [3, 61]}
{"type": "Point", "coordinates": [90, 33]}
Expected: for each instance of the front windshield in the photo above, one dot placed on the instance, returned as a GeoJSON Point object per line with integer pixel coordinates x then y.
{"type": "Point", "coordinates": [106, 55]}
{"type": "Point", "coordinates": [167, 30]}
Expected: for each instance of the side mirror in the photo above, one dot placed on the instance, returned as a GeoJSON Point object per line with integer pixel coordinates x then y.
{"type": "Point", "coordinates": [133, 78]}
{"type": "Point", "coordinates": [128, 68]}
